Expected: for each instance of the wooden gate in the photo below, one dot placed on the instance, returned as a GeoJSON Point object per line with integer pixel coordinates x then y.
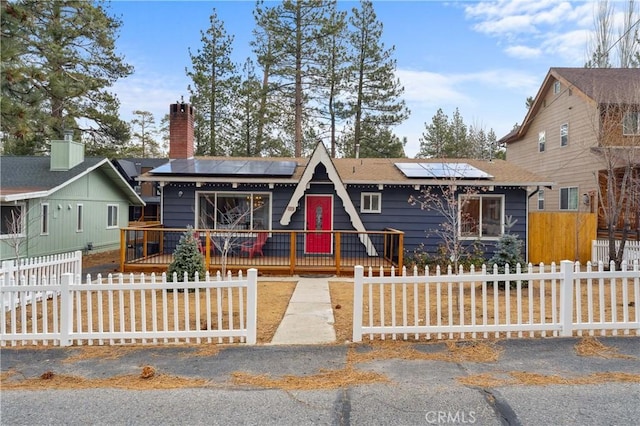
{"type": "Point", "coordinates": [556, 236]}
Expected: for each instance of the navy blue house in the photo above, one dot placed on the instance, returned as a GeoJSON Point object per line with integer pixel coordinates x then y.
{"type": "Point", "coordinates": [346, 194]}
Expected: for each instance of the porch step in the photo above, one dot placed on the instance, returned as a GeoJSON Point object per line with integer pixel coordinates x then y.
{"type": "Point", "coordinates": [309, 317]}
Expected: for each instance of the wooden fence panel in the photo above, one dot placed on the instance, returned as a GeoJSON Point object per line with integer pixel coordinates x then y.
{"type": "Point", "coordinates": [556, 236]}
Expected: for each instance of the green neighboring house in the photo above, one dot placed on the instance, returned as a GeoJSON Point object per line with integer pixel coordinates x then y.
{"type": "Point", "coordinates": [61, 203]}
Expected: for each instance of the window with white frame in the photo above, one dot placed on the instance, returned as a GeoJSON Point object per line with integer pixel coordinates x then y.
{"type": "Point", "coordinates": [13, 220]}
{"type": "Point", "coordinates": [79, 218]}
{"type": "Point", "coordinates": [44, 219]}
{"type": "Point", "coordinates": [481, 216]}
{"type": "Point", "coordinates": [370, 202]}
{"type": "Point", "coordinates": [233, 210]}
{"type": "Point", "coordinates": [631, 123]}
{"type": "Point", "coordinates": [569, 198]}
{"type": "Point", "coordinates": [541, 199]}
{"type": "Point", "coordinates": [112, 216]}
{"type": "Point", "coordinates": [541, 140]}
{"type": "Point", "coordinates": [556, 87]}
{"type": "Point", "coordinates": [564, 134]}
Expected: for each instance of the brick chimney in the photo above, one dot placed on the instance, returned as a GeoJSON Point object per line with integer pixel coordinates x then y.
{"type": "Point", "coordinates": [181, 131]}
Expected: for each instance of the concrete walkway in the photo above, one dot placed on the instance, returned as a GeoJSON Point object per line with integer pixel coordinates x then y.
{"type": "Point", "coordinates": [309, 316]}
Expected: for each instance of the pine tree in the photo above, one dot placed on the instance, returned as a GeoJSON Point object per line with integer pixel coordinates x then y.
{"type": "Point", "coordinates": [187, 258]}
{"type": "Point", "coordinates": [436, 137]}
{"type": "Point", "coordinates": [331, 74]}
{"type": "Point", "coordinates": [288, 48]}
{"type": "Point", "coordinates": [375, 94]}
{"type": "Point", "coordinates": [70, 47]}
{"type": "Point", "coordinates": [144, 131]}
{"type": "Point", "coordinates": [215, 84]}
{"type": "Point", "coordinates": [508, 251]}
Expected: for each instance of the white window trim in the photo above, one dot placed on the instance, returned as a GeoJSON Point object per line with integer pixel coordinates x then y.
{"type": "Point", "coordinates": [564, 126]}
{"type": "Point", "coordinates": [542, 139]}
{"type": "Point", "coordinates": [23, 231]}
{"type": "Point", "coordinates": [480, 236]}
{"type": "Point", "coordinates": [541, 199]}
{"type": "Point", "coordinates": [117, 216]}
{"type": "Point", "coordinates": [232, 193]}
{"type": "Point", "coordinates": [80, 217]}
{"type": "Point", "coordinates": [568, 188]}
{"type": "Point", "coordinates": [556, 87]}
{"type": "Point", "coordinates": [44, 218]}
{"type": "Point", "coordinates": [372, 195]}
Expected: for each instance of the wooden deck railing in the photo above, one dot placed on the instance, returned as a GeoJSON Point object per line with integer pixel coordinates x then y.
{"type": "Point", "coordinates": [283, 252]}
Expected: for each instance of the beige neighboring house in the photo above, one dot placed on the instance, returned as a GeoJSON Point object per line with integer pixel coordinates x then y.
{"type": "Point", "coordinates": [580, 119]}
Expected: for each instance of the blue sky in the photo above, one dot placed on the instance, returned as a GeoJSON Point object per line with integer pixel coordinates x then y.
{"type": "Point", "coordinates": [484, 58]}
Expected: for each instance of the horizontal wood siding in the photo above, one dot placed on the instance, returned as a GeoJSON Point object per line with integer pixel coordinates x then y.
{"type": "Point", "coordinates": [556, 236]}
{"type": "Point", "coordinates": [421, 226]}
{"type": "Point", "coordinates": [573, 165]}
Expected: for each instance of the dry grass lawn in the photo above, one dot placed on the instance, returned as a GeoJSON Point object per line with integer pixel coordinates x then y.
{"type": "Point", "coordinates": [529, 306]}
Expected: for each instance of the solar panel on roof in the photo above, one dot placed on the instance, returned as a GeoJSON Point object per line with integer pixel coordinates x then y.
{"type": "Point", "coordinates": [442, 171]}
{"type": "Point", "coordinates": [207, 167]}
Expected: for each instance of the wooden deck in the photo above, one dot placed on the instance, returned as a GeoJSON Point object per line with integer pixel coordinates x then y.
{"type": "Point", "coordinates": [284, 252]}
{"type": "Point", "coordinates": [268, 265]}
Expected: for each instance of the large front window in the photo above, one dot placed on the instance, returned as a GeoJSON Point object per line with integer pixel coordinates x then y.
{"type": "Point", "coordinates": [481, 216]}
{"type": "Point", "coordinates": [233, 210]}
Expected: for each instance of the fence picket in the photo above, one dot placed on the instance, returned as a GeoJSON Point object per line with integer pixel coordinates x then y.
{"type": "Point", "coordinates": [566, 297]}
{"type": "Point", "coordinates": [116, 310]}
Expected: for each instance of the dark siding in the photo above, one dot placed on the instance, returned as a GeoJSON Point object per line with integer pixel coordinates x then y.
{"type": "Point", "coordinates": [419, 226]}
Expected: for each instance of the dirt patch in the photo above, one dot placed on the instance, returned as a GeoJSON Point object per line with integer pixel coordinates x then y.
{"type": "Point", "coordinates": [590, 346]}
{"type": "Point", "coordinates": [515, 378]}
{"type": "Point", "coordinates": [109, 260]}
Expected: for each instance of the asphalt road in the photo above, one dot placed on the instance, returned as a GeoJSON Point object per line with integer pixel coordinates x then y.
{"type": "Point", "coordinates": [417, 393]}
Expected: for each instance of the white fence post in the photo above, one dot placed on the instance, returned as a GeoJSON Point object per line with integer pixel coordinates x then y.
{"type": "Point", "coordinates": [566, 298]}
{"type": "Point", "coordinates": [252, 305]}
{"type": "Point", "coordinates": [66, 309]}
{"type": "Point", "coordinates": [357, 303]}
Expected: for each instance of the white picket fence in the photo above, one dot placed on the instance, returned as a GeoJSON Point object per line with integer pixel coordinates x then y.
{"type": "Point", "coordinates": [600, 251]}
{"type": "Point", "coordinates": [38, 269]}
{"type": "Point", "coordinates": [132, 309]}
{"type": "Point", "coordinates": [542, 303]}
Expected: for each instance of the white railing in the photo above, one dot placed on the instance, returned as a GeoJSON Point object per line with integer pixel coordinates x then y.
{"type": "Point", "coordinates": [600, 251]}
{"type": "Point", "coordinates": [36, 270]}
{"type": "Point", "coordinates": [139, 309]}
{"type": "Point", "coordinates": [536, 303]}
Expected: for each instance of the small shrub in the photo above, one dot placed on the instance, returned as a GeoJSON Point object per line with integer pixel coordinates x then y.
{"type": "Point", "coordinates": [508, 252]}
{"type": "Point", "coordinates": [187, 258]}
{"type": "Point", "coordinates": [418, 257]}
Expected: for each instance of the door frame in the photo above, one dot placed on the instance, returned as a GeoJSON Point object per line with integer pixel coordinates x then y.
{"type": "Point", "coordinates": [306, 201]}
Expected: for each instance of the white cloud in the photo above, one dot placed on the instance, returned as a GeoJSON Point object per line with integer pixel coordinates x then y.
{"type": "Point", "coordinates": [523, 52]}
{"type": "Point", "coordinates": [532, 28]}
{"type": "Point", "coordinates": [428, 88]}
{"type": "Point", "coordinates": [149, 92]}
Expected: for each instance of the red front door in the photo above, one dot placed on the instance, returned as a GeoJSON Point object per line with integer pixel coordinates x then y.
{"type": "Point", "coordinates": [319, 217]}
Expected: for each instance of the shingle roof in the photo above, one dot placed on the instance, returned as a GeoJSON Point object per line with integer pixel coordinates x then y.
{"type": "Point", "coordinates": [600, 85]}
{"type": "Point", "coordinates": [383, 171]}
{"type": "Point", "coordinates": [31, 173]}
{"type": "Point", "coordinates": [603, 85]}
{"type": "Point", "coordinates": [31, 176]}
